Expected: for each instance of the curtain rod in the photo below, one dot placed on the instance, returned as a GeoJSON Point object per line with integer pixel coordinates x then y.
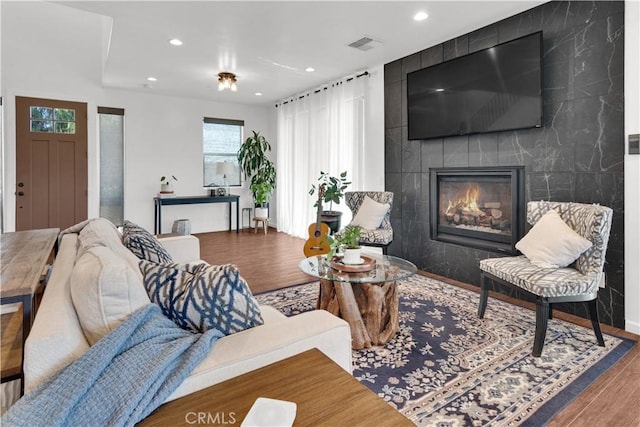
{"type": "Point", "coordinates": [363, 74]}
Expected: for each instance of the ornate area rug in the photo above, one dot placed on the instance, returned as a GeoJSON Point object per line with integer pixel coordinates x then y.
{"type": "Point", "coordinates": [446, 367]}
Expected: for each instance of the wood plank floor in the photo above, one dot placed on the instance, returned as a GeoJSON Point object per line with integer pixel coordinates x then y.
{"type": "Point", "coordinates": [266, 262]}
{"type": "Point", "coordinates": [271, 262]}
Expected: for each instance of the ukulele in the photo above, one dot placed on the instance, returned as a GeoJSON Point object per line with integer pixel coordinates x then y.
{"type": "Point", "coordinates": [317, 243]}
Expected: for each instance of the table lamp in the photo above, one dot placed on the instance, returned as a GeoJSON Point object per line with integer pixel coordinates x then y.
{"type": "Point", "coordinates": [225, 169]}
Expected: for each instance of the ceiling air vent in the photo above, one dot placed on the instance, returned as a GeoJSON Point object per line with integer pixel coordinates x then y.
{"type": "Point", "coordinates": [364, 44]}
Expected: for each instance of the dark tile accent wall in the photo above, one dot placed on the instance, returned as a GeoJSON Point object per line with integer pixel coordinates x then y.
{"type": "Point", "coordinates": [576, 156]}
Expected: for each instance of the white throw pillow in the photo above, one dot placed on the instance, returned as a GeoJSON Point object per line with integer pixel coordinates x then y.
{"type": "Point", "coordinates": [551, 243]}
{"type": "Point", "coordinates": [370, 214]}
{"type": "Point", "coordinates": [105, 291]}
{"type": "Point", "coordinates": [102, 232]}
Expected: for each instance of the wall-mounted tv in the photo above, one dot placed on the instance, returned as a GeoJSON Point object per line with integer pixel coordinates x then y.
{"type": "Point", "coordinates": [495, 89]}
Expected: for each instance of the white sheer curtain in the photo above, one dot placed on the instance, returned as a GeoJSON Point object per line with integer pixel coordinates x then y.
{"type": "Point", "coordinates": [321, 131]}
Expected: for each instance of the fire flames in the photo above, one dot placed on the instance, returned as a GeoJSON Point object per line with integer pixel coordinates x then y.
{"type": "Point", "coordinates": [467, 204]}
{"type": "Point", "coordinates": [468, 211]}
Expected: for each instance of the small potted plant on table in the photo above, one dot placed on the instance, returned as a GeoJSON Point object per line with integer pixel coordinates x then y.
{"type": "Point", "coordinates": [166, 186]}
{"type": "Point", "coordinates": [348, 243]}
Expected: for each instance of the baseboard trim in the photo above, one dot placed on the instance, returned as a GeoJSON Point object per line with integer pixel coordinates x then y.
{"type": "Point", "coordinates": [632, 327]}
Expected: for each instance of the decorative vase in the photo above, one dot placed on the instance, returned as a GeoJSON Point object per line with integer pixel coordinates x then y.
{"type": "Point", "coordinates": [352, 256]}
{"type": "Point", "coordinates": [181, 226]}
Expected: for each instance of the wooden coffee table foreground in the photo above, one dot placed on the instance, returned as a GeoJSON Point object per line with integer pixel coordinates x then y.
{"type": "Point", "coordinates": [324, 392]}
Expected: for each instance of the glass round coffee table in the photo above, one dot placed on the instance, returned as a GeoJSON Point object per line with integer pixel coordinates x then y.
{"type": "Point", "coordinates": [365, 295]}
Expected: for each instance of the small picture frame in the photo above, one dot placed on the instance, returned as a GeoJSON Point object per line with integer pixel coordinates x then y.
{"type": "Point", "coordinates": [217, 192]}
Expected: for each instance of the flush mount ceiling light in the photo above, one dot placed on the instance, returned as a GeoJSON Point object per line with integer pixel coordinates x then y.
{"type": "Point", "coordinates": [309, 69]}
{"type": "Point", "coordinates": [152, 79]}
{"type": "Point", "coordinates": [175, 42]}
{"type": "Point", "coordinates": [420, 16]}
{"type": "Point", "coordinates": [227, 81]}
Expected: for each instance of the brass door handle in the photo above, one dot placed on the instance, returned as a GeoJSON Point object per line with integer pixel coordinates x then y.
{"type": "Point", "coordinates": [20, 193]}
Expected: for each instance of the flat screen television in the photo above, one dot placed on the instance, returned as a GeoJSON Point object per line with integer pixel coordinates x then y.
{"type": "Point", "coordinates": [491, 90]}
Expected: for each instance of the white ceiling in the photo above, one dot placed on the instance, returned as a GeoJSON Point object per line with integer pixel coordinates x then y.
{"type": "Point", "coordinates": [268, 44]}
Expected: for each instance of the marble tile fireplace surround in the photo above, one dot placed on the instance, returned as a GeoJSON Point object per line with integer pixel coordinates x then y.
{"type": "Point", "coordinates": [577, 155]}
{"type": "Point", "coordinates": [479, 207]}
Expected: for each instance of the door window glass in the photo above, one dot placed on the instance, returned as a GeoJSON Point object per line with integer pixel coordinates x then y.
{"type": "Point", "coordinates": [52, 120]}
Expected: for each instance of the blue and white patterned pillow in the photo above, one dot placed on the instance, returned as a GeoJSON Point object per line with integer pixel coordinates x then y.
{"type": "Point", "coordinates": [202, 297]}
{"type": "Point", "coordinates": [143, 244]}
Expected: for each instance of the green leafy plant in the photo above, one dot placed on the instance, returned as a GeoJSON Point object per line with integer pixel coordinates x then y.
{"type": "Point", "coordinates": [261, 193]}
{"type": "Point", "coordinates": [349, 239]}
{"type": "Point", "coordinates": [333, 188]}
{"type": "Point", "coordinates": [256, 166]}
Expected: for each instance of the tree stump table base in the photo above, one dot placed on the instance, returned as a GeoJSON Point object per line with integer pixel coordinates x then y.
{"type": "Point", "coordinates": [365, 296]}
{"type": "Point", "coordinates": [371, 309]}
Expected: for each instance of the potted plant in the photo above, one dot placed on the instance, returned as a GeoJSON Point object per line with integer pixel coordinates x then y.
{"type": "Point", "coordinates": [261, 195]}
{"type": "Point", "coordinates": [348, 243]}
{"type": "Point", "coordinates": [259, 169]}
{"type": "Point", "coordinates": [332, 192]}
{"type": "Point", "coordinates": [165, 184]}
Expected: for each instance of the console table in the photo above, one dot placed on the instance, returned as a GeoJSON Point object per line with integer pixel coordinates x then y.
{"type": "Point", "coordinates": [191, 200]}
{"type": "Point", "coordinates": [24, 258]}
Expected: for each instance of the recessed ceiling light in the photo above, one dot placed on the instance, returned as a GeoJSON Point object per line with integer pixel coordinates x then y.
{"type": "Point", "coordinates": [175, 42]}
{"type": "Point", "coordinates": [258, 93]}
{"type": "Point", "coordinates": [152, 79]}
{"type": "Point", "coordinates": [439, 90]}
{"type": "Point", "coordinates": [309, 69]}
{"type": "Point", "coordinates": [420, 16]}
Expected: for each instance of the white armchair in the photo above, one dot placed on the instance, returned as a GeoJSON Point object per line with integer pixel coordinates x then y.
{"type": "Point", "coordinates": [577, 282]}
{"type": "Point", "coordinates": [381, 236]}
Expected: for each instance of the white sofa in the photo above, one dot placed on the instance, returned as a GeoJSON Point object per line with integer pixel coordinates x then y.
{"type": "Point", "coordinates": [57, 338]}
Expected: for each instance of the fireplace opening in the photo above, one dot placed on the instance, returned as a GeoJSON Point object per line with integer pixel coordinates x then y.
{"type": "Point", "coordinates": [478, 207]}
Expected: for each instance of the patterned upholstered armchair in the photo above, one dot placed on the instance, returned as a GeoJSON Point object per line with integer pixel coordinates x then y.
{"type": "Point", "coordinates": [579, 282]}
{"type": "Point", "coordinates": [383, 235]}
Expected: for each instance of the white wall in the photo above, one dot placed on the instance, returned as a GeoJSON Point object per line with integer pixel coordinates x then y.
{"type": "Point", "coordinates": [632, 167]}
{"type": "Point", "coordinates": [163, 135]}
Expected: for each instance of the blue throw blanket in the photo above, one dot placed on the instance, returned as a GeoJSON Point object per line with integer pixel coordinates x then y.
{"type": "Point", "coordinates": [121, 379]}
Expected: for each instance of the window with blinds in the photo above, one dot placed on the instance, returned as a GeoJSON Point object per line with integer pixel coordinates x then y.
{"type": "Point", "coordinates": [221, 140]}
